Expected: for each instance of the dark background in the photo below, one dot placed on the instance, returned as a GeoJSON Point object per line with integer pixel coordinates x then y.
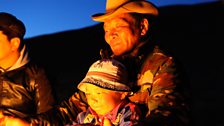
{"type": "Point", "coordinates": [194, 34]}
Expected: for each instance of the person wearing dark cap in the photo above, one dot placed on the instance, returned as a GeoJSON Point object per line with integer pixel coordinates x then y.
{"type": "Point", "coordinates": [106, 87]}
{"type": "Point", "coordinates": [24, 87]}
{"type": "Point", "coordinates": [157, 79]}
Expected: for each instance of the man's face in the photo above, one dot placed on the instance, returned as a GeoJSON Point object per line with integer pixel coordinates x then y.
{"type": "Point", "coordinates": [102, 100]}
{"type": "Point", "coordinates": [5, 47]}
{"type": "Point", "coordinates": [122, 33]}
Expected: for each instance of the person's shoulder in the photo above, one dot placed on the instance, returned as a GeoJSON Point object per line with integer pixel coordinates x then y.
{"type": "Point", "coordinates": [157, 54]}
{"type": "Point", "coordinates": [161, 50]}
{"type": "Point", "coordinates": [34, 64]}
{"type": "Point", "coordinates": [34, 68]}
{"type": "Point", "coordinates": [163, 54]}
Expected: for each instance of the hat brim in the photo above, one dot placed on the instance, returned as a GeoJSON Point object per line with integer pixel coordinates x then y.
{"type": "Point", "coordinates": [103, 83]}
{"type": "Point", "coordinates": [143, 7]}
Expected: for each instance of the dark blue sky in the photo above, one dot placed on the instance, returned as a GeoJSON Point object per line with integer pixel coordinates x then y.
{"type": "Point", "coordinates": [50, 16]}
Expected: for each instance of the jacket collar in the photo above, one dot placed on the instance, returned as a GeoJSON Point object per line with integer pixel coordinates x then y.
{"type": "Point", "coordinates": [22, 60]}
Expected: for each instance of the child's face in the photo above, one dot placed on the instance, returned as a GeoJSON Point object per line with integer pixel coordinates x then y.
{"type": "Point", "coordinates": [102, 100]}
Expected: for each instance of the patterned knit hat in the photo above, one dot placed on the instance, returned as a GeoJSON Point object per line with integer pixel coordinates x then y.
{"type": "Point", "coordinates": [108, 74]}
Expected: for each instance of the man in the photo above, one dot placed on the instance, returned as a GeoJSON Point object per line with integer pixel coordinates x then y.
{"type": "Point", "coordinates": [24, 87]}
{"type": "Point", "coordinates": [153, 72]}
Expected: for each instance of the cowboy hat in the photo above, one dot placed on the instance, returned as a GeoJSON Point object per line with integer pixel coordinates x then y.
{"type": "Point", "coordinates": [114, 7]}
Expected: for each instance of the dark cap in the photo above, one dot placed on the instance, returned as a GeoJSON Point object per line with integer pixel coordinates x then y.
{"type": "Point", "coordinates": [11, 26]}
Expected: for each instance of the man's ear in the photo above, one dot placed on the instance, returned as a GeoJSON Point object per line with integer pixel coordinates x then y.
{"type": "Point", "coordinates": [15, 43]}
{"type": "Point", "coordinates": [144, 26]}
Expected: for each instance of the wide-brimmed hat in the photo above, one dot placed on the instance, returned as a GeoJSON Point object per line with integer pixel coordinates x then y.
{"type": "Point", "coordinates": [114, 7]}
{"type": "Point", "coordinates": [108, 74]}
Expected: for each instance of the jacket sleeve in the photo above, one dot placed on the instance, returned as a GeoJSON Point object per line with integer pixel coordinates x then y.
{"type": "Point", "coordinates": [166, 102]}
{"type": "Point", "coordinates": [61, 114]}
{"type": "Point", "coordinates": [161, 96]}
{"type": "Point", "coordinates": [44, 98]}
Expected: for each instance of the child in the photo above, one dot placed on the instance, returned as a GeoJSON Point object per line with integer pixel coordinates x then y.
{"type": "Point", "coordinates": [106, 89]}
